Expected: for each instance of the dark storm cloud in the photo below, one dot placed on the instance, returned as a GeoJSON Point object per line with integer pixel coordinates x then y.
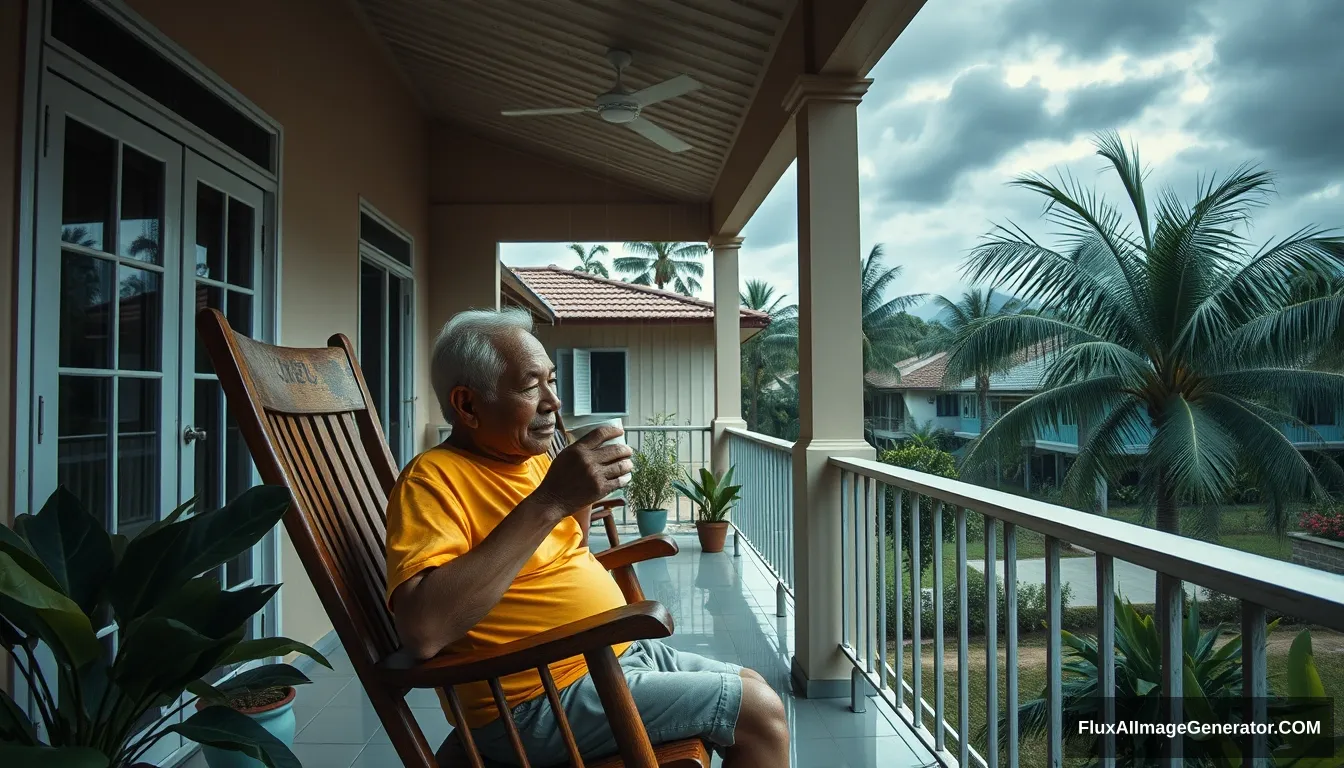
{"type": "Point", "coordinates": [1092, 29]}
{"type": "Point", "coordinates": [1276, 84]}
{"type": "Point", "coordinates": [984, 119]}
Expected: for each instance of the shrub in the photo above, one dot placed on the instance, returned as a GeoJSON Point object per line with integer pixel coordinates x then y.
{"type": "Point", "coordinates": [932, 461]}
{"type": "Point", "coordinates": [1031, 606]}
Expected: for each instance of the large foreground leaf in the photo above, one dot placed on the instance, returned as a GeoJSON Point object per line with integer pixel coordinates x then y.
{"type": "Point", "coordinates": [160, 562]}
{"type": "Point", "coordinates": [38, 609]}
{"type": "Point", "coordinates": [227, 729]}
{"type": "Point", "coordinates": [251, 650]}
{"type": "Point", "coordinates": [12, 756]}
{"type": "Point", "coordinates": [72, 544]}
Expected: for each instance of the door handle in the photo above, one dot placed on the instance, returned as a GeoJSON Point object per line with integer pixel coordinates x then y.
{"type": "Point", "coordinates": [191, 434]}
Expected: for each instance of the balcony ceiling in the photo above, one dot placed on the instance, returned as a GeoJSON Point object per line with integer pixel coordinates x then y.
{"type": "Point", "coordinates": [470, 59]}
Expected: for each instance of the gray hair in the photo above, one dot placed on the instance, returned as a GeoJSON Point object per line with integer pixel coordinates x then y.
{"type": "Point", "coordinates": [465, 353]}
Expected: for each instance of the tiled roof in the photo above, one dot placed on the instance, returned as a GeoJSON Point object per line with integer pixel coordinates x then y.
{"type": "Point", "coordinates": [579, 297]}
{"type": "Point", "coordinates": [915, 373]}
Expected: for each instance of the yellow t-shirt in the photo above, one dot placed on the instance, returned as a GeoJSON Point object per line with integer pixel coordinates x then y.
{"type": "Point", "coordinates": [446, 502]}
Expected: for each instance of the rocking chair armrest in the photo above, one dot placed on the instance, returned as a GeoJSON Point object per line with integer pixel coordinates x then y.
{"type": "Point", "coordinates": [637, 551]}
{"type": "Point", "coordinates": [607, 505]}
{"type": "Point", "coordinates": [639, 621]}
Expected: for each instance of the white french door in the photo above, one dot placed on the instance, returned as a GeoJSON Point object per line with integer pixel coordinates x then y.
{"type": "Point", "coordinates": [386, 351]}
{"type": "Point", "coordinates": [135, 232]}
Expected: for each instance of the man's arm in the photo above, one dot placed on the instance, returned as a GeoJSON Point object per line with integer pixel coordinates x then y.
{"type": "Point", "coordinates": [437, 606]}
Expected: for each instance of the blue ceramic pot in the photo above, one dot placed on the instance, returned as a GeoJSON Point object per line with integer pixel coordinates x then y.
{"type": "Point", "coordinates": [651, 521]}
{"type": "Point", "coordinates": [277, 718]}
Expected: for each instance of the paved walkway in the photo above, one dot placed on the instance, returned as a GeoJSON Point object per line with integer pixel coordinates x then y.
{"type": "Point", "coordinates": [1134, 583]}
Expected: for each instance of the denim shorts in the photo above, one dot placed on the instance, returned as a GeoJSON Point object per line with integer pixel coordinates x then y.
{"type": "Point", "coordinates": [679, 696]}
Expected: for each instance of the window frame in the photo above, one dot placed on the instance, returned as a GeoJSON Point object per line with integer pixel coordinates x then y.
{"type": "Point", "coordinates": [565, 371]}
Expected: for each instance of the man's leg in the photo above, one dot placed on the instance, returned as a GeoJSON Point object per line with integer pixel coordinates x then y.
{"type": "Point", "coordinates": [761, 733]}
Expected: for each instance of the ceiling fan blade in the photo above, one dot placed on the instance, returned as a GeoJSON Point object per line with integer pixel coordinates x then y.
{"type": "Point", "coordinates": [658, 135]}
{"type": "Point", "coordinates": [668, 89]}
{"type": "Point", "coordinates": [543, 112]}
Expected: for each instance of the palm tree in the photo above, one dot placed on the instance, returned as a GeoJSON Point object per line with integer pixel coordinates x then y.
{"type": "Point", "coordinates": [657, 263]}
{"type": "Point", "coordinates": [1170, 328]}
{"type": "Point", "coordinates": [588, 261]}
{"type": "Point", "coordinates": [958, 318]}
{"type": "Point", "coordinates": [889, 333]}
{"type": "Point", "coordinates": [773, 351]}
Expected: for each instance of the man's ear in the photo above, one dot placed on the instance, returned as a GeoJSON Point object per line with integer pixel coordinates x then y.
{"type": "Point", "coordinates": [464, 406]}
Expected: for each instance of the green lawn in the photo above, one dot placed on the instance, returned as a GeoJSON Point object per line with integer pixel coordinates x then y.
{"type": "Point", "coordinates": [1329, 657]}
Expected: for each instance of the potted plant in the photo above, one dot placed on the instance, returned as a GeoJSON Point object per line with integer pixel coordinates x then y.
{"type": "Point", "coordinates": [62, 576]}
{"type": "Point", "coordinates": [272, 708]}
{"type": "Point", "coordinates": [713, 496]}
{"type": "Point", "coordinates": [650, 489]}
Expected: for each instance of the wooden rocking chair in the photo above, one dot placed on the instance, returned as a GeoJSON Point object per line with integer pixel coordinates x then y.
{"type": "Point", "coordinates": [307, 418]}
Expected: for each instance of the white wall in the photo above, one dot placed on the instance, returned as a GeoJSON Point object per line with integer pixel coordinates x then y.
{"type": "Point", "coordinates": [671, 367]}
{"type": "Point", "coordinates": [921, 410]}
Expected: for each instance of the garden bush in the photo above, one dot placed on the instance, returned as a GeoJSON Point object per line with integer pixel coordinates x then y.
{"type": "Point", "coordinates": [922, 458]}
{"type": "Point", "coordinates": [1031, 606]}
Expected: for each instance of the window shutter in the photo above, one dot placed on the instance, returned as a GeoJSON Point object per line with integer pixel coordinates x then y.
{"type": "Point", "coordinates": [583, 383]}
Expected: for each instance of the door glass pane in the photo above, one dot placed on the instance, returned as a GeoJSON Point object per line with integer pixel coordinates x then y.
{"type": "Point", "coordinates": [396, 398]}
{"type": "Point", "coordinates": [238, 478]}
{"type": "Point", "coordinates": [141, 207]}
{"type": "Point", "coordinates": [90, 180]}
{"type": "Point", "coordinates": [371, 338]}
{"type": "Point", "coordinates": [141, 302]}
{"type": "Point", "coordinates": [209, 482]}
{"type": "Point", "coordinates": [207, 296]}
{"type": "Point", "coordinates": [137, 454]}
{"type": "Point", "coordinates": [209, 232]}
{"type": "Point", "coordinates": [241, 243]}
{"type": "Point", "coordinates": [239, 312]}
{"type": "Point", "coordinates": [84, 458]}
{"type": "Point", "coordinates": [86, 311]}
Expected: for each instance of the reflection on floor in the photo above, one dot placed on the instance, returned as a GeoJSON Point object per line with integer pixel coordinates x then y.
{"type": "Point", "coordinates": [724, 608]}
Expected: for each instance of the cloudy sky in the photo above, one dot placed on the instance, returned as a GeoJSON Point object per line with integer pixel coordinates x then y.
{"type": "Point", "coordinates": [975, 92]}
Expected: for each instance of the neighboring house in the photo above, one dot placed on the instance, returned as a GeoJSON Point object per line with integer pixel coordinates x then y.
{"type": "Point", "coordinates": [921, 395]}
{"type": "Point", "coordinates": [622, 350]}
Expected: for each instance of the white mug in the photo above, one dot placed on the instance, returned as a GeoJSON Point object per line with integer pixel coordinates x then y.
{"type": "Point", "coordinates": [581, 430]}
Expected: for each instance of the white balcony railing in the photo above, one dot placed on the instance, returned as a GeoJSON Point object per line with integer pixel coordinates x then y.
{"type": "Point", "coordinates": [872, 540]}
{"type": "Point", "coordinates": [693, 452]}
{"type": "Point", "coordinates": [764, 517]}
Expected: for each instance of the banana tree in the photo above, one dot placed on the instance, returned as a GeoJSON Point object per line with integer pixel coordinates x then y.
{"type": "Point", "coordinates": [62, 575]}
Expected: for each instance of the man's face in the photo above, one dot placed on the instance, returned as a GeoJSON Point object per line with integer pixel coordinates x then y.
{"type": "Point", "coordinates": [520, 421]}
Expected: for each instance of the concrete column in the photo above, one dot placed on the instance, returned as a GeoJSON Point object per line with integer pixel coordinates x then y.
{"type": "Point", "coordinates": [830, 379]}
{"type": "Point", "coordinates": [727, 348]}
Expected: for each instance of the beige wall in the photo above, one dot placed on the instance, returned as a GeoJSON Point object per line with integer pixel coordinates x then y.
{"type": "Point", "coordinates": [351, 129]}
{"type": "Point", "coordinates": [671, 367]}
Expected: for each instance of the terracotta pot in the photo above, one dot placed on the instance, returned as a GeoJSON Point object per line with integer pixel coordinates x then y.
{"type": "Point", "coordinates": [712, 535]}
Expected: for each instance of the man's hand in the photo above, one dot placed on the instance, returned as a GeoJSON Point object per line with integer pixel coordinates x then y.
{"type": "Point", "coordinates": [586, 471]}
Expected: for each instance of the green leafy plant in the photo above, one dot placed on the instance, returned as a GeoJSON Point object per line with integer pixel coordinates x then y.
{"type": "Point", "coordinates": [655, 468]}
{"type": "Point", "coordinates": [713, 496]}
{"type": "Point", "coordinates": [1211, 666]}
{"type": "Point", "coordinates": [62, 576]}
{"type": "Point", "coordinates": [932, 461]}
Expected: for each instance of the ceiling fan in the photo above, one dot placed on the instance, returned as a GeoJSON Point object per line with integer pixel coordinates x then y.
{"type": "Point", "coordinates": [622, 106]}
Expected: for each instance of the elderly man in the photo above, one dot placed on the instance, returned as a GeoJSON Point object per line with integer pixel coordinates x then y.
{"type": "Point", "coordinates": [487, 544]}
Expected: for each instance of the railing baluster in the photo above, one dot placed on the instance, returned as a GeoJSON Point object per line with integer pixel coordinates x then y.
{"type": "Point", "coordinates": [991, 641]}
{"type": "Point", "coordinates": [1106, 650]}
{"type": "Point", "coordinates": [1010, 620]}
{"type": "Point", "coordinates": [916, 595]}
{"type": "Point", "coordinates": [856, 576]}
{"type": "Point", "coordinates": [870, 609]}
{"type": "Point", "coordinates": [963, 639]}
{"type": "Point", "coordinates": [882, 589]}
{"type": "Point", "coordinates": [1254, 680]}
{"type": "Point", "coordinates": [845, 477]}
{"type": "Point", "coordinates": [897, 502]}
{"type": "Point", "coordinates": [1169, 599]}
{"type": "Point", "coordinates": [1054, 720]}
{"type": "Point", "coordinates": [939, 666]}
